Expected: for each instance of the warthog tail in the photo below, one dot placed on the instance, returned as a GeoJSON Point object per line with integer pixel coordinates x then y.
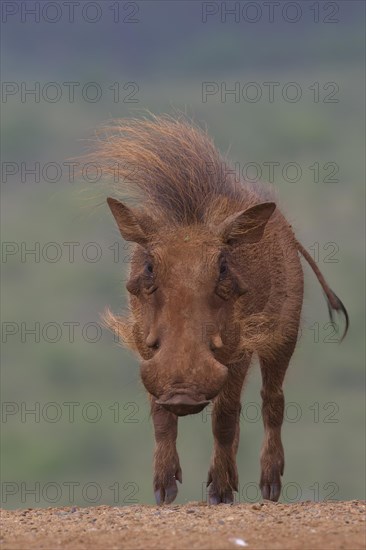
{"type": "Point", "coordinates": [334, 303]}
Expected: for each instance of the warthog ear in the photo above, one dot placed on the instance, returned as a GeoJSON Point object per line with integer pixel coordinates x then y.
{"type": "Point", "coordinates": [132, 227]}
{"type": "Point", "coordinates": [248, 225]}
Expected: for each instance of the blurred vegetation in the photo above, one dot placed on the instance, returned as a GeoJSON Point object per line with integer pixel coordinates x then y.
{"type": "Point", "coordinates": [169, 53]}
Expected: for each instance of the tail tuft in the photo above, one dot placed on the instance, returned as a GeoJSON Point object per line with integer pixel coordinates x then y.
{"type": "Point", "coordinates": [335, 304]}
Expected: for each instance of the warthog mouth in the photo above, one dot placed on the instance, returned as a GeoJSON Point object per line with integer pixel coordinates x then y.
{"type": "Point", "coordinates": [182, 404]}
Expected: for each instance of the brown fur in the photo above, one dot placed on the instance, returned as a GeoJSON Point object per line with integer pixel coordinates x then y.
{"type": "Point", "coordinates": [215, 277]}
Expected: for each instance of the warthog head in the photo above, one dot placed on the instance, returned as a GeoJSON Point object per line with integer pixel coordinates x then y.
{"type": "Point", "coordinates": [183, 286]}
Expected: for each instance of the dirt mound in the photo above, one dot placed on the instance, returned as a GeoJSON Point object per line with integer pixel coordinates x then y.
{"type": "Point", "coordinates": [305, 525]}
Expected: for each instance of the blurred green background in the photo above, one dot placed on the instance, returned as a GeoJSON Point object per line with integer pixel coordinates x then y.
{"type": "Point", "coordinates": [103, 449]}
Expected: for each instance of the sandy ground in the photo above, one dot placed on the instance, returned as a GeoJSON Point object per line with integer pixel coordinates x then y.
{"type": "Point", "coordinates": [305, 525]}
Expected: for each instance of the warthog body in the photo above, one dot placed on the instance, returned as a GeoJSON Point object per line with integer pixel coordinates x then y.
{"type": "Point", "coordinates": [215, 277]}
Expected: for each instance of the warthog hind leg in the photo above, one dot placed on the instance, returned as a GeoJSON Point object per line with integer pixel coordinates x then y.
{"type": "Point", "coordinates": [273, 403]}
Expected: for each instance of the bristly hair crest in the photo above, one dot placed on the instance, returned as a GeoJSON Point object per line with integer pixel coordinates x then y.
{"type": "Point", "coordinates": [171, 168]}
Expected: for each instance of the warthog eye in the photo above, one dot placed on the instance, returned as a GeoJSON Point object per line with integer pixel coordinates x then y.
{"type": "Point", "coordinates": [149, 268]}
{"type": "Point", "coordinates": [223, 269]}
{"type": "Point", "coordinates": [150, 285]}
{"type": "Point", "coordinates": [224, 283]}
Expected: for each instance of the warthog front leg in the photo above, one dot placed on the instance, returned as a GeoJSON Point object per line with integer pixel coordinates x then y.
{"type": "Point", "coordinates": [223, 475]}
{"type": "Point", "coordinates": [167, 469]}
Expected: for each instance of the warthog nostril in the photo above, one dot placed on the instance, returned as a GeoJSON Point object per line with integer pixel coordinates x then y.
{"type": "Point", "coordinates": [182, 404]}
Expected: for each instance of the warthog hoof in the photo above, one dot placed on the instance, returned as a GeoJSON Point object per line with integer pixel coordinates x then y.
{"type": "Point", "coordinates": [215, 497]}
{"type": "Point", "coordinates": [270, 482]}
{"type": "Point", "coordinates": [166, 492]}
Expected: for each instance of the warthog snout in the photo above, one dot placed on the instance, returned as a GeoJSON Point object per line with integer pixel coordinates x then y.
{"type": "Point", "coordinates": [182, 404]}
{"type": "Point", "coordinates": [181, 388]}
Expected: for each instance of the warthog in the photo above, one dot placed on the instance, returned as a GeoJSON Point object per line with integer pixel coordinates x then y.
{"type": "Point", "coordinates": [215, 277]}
